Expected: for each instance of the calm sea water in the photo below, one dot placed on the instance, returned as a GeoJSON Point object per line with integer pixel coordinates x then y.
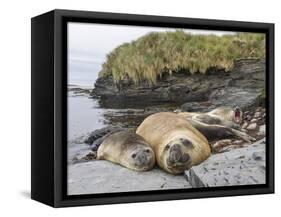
{"type": "Point", "coordinates": [83, 73]}
{"type": "Point", "coordinates": [86, 115]}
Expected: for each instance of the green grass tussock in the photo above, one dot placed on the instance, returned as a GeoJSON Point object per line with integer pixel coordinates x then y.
{"type": "Point", "coordinates": [155, 54]}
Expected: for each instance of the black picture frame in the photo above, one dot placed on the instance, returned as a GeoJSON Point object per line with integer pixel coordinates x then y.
{"type": "Point", "coordinates": [49, 107]}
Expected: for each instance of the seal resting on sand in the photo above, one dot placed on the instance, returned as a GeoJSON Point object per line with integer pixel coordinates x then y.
{"type": "Point", "coordinates": [176, 143]}
{"type": "Point", "coordinates": [127, 149]}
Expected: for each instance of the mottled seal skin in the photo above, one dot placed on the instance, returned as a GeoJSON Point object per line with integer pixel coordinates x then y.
{"type": "Point", "coordinates": [127, 149]}
{"type": "Point", "coordinates": [225, 116]}
{"type": "Point", "coordinates": [176, 143]}
{"type": "Point", "coordinates": [220, 123]}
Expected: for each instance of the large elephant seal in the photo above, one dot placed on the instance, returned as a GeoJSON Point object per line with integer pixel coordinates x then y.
{"type": "Point", "coordinates": [220, 123]}
{"type": "Point", "coordinates": [177, 145]}
{"type": "Point", "coordinates": [127, 149]}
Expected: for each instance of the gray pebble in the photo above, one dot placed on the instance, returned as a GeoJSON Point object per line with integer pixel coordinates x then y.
{"type": "Point", "coordinates": [245, 124]}
{"type": "Point", "coordinates": [257, 114]}
{"type": "Point", "coordinates": [257, 156]}
{"type": "Point", "coordinates": [252, 126]}
{"type": "Point", "coordinates": [254, 120]}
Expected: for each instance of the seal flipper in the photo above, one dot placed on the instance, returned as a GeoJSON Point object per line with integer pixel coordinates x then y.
{"type": "Point", "coordinates": [219, 132]}
{"type": "Point", "coordinates": [242, 135]}
{"type": "Point", "coordinates": [207, 119]}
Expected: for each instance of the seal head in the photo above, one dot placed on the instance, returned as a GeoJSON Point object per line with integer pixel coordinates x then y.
{"type": "Point", "coordinates": [127, 149]}
{"type": "Point", "coordinates": [227, 113]}
{"type": "Point", "coordinates": [176, 143]}
{"type": "Point", "coordinates": [140, 158]}
{"type": "Point", "coordinates": [176, 156]}
{"type": "Point", "coordinates": [237, 116]}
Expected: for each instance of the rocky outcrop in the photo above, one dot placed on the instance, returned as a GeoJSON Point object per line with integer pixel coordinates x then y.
{"type": "Point", "coordinates": [241, 86]}
{"type": "Point", "coordinates": [243, 166]}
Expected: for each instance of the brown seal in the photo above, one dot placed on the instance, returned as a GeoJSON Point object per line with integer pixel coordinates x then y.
{"type": "Point", "coordinates": [176, 143]}
{"type": "Point", "coordinates": [127, 149]}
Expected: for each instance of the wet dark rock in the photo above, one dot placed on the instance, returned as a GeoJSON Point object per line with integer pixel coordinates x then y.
{"type": "Point", "coordinates": [248, 117]}
{"type": "Point", "coordinates": [96, 137]}
{"type": "Point", "coordinates": [89, 157]}
{"type": "Point", "coordinates": [197, 106]}
{"type": "Point", "coordinates": [242, 86]}
{"type": "Point", "coordinates": [79, 90]}
{"type": "Point", "coordinates": [258, 156]}
{"type": "Point", "coordinates": [97, 142]}
{"type": "Point", "coordinates": [154, 109]}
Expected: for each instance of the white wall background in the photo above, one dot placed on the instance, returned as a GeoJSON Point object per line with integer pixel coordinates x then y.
{"type": "Point", "coordinates": [15, 106]}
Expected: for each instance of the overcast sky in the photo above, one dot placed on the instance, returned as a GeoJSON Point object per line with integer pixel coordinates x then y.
{"type": "Point", "coordinates": [91, 42]}
{"type": "Point", "coordinates": [88, 45]}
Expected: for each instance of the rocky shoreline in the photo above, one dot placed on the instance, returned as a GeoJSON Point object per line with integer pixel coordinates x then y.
{"type": "Point", "coordinates": [125, 105]}
{"type": "Point", "coordinates": [233, 162]}
{"type": "Point", "coordinates": [241, 86]}
{"type": "Point", "coordinates": [243, 166]}
{"type": "Point", "coordinates": [253, 123]}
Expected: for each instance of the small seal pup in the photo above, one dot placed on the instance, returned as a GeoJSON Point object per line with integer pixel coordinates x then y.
{"type": "Point", "coordinates": [176, 143]}
{"type": "Point", "coordinates": [127, 149]}
{"type": "Point", "coordinates": [228, 116]}
{"type": "Point", "coordinates": [225, 115]}
{"type": "Point", "coordinates": [220, 123]}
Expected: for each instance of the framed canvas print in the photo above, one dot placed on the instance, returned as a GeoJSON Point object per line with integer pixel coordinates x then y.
{"type": "Point", "coordinates": [134, 108]}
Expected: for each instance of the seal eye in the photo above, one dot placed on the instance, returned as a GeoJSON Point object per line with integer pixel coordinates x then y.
{"type": "Point", "coordinates": [134, 155]}
{"type": "Point", "coordinates": [147, 150]}
{"type": "Point", "coordinates": [186, 143]}
{"type": "Point", "coordinates": [167, 147]}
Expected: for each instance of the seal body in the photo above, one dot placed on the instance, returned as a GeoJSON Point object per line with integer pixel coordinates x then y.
{"type": "Point", "coordinates": [220, 123]}
{"type": "Point", "coordinates": [225, 116]}
{"type": "Point", "coordinates": [176, 143]}
{"type": "Point", "coordinates": [127, 149]}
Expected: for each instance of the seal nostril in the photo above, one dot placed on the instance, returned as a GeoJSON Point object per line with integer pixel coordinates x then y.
{"type": "Point", "coordinates": [176, 148]}
{"type": "Point", "coordinates": [175, 153]}
{"type": "Point", "coordinates": [167, 147]}
{"type": "Point", "coordinates": [184, 158]}
{"type": "Point", "coordinates": [177, 156]}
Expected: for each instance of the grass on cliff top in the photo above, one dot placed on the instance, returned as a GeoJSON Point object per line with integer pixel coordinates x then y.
{"type": "Point", "coordinates": [155, 54]}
